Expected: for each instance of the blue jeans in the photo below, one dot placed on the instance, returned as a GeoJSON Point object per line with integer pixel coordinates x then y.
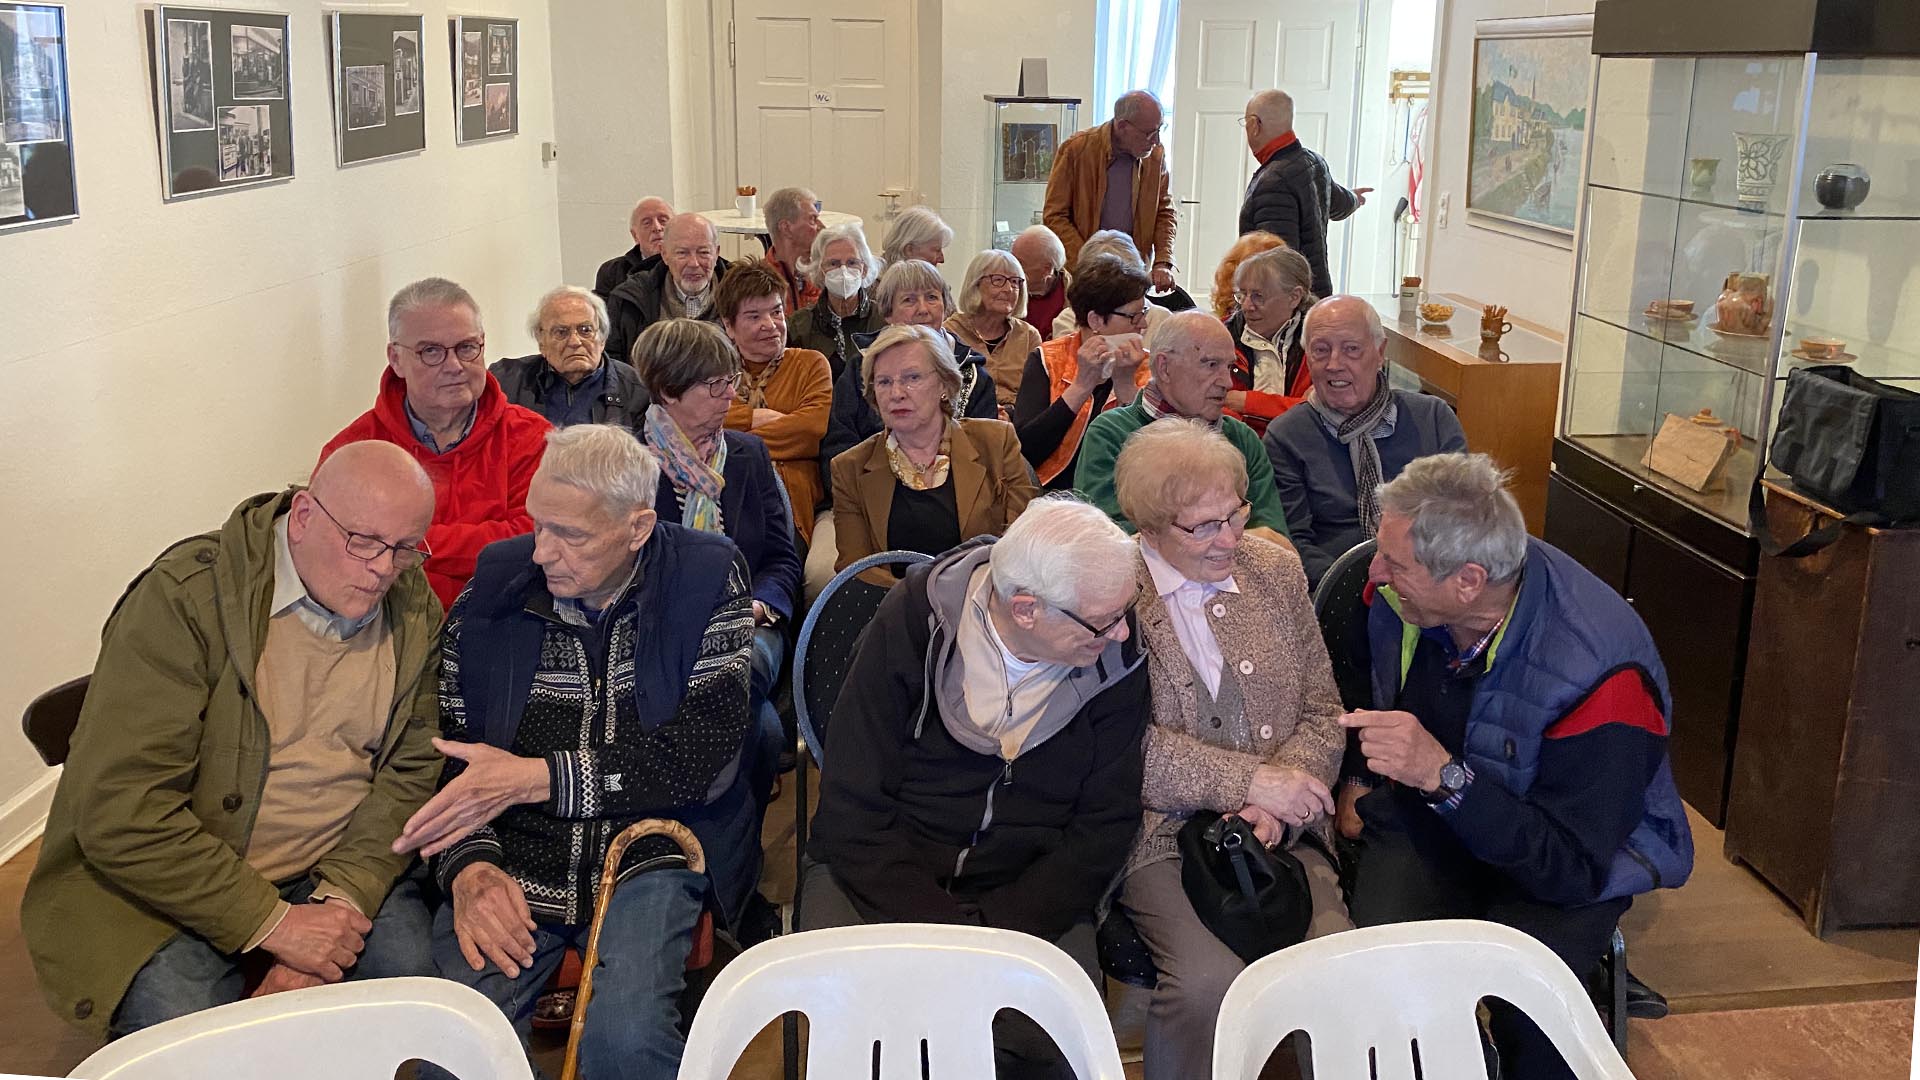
{"type": "Point", "coordinates": [769, 734]}
{"type": "Point", "coordinates": [188, 974]}
{"type": "Point", "coordinates": [633, 1021]}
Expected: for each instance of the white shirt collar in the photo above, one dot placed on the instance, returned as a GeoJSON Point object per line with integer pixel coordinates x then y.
{"type": "Point", "coordinates": [290, 592]}
{"type": "Point", "coordinates": [1167, 580]}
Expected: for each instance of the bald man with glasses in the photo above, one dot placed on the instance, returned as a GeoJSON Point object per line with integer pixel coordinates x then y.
{"type": "Point", "coordinates": [439, 403]}
{"type": "Point", "coordinates": [1114, 176]}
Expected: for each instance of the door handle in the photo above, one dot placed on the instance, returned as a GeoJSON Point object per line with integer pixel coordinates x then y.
{"type": "Point", "coordinates": [1189, 202]}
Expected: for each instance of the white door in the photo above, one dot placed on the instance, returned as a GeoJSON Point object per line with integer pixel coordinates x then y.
{"type": "Point", "coordinates": [822, 101]}
{"type": "Point", "coordinates": [1228, 50]}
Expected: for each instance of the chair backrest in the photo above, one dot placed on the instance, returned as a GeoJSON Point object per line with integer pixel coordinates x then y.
{"type": "Point", "coordinates": [827, 636]}
{"type": "Point", "coordinates": [51, 718]}
{"type": "Point", "coordinates": [902, 985]}
{"type": "Point", "coordinates": [1339, 602]}
{"type": "Point", "coordinates": [1376, 992]}
{"type": "Point", "coordinates": [358, 1029]}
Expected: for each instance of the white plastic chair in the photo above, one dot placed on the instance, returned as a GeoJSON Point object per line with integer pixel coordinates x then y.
{"type": "Point", "coordinates": [347, 1031]}
{"type": "Point", "coordinates": [1377, 991]}
{"type": "Point", "coordinates": [899, 984]}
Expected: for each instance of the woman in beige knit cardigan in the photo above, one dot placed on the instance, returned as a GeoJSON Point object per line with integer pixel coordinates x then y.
{"type": "Point", "coordinates": [1245, 715]}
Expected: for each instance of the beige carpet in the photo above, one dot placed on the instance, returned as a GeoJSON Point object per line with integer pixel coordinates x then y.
{"type": "Point", "coordinates": [1869, 1040]}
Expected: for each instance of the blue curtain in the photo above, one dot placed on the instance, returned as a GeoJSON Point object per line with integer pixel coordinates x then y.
{"type": "Point", "coordinates": [1133, 50]}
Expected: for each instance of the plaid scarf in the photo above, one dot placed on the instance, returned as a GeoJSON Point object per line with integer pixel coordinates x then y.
{"type": "Point", "coordinates": [699, 482]}
{"type": "Point", "coordinates": [1356, 434]}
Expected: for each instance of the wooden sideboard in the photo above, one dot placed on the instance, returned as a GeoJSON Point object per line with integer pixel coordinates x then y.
{"type": "Point", "coordinates": [1505, 396]}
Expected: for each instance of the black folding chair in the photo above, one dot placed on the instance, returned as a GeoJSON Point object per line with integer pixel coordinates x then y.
{"type": "Point", "coordinates": [51, 718]}
{"type": "Point", "coordinates": [1338, 604]}
{"type": "Point", "coordinates": [820, 661]}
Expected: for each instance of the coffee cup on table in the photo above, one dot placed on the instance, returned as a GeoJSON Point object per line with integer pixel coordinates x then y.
{"type": "Point", "coordinates": [1822, 348]}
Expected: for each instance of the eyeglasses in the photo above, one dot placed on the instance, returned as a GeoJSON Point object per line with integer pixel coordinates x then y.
{"type": "Point", "coordinates": [1245, 120]}
{"type": "Point", "coordinates": [368, 548]}
{"type": "Point", "coordinates": [1135, 317]}
{"type": "Point", "coordinates": [1103, 631]}
{"type": "Point", "coordinates": [1150, 132]}
{"type": "Point", "coordinates": [1250, 296]}
{"type": "Point", "coordinates": [561, 334]}
{"type": "Point", "coordinates": [720, 384]}
{"type": "Point", "coordinates": [906, 380]}
{"type": "Point", "coordinates": [1206, 531]}
{"type": "Point", "coordinates": [434, 355]}
{"type": "Point", "coordinates": [1000, 281]}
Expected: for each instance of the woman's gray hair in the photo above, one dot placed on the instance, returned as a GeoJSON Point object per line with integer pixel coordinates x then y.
{"type": "Point", "coordinates": [852, 233]}
{"type": "Point", "coordinates": [1461, 512]}
{"type": "Point", "coordinates": [433, 292]}
{"type": "Point", "coordinates": [605, 461]}
{"type": "Point", "coordinates": [916, 225]}
{"type": "Point", "coordinates": [1056, 547]}
{"type": "Point", "coordinates": [570, 292]}
{"type": "Point", "coordinates": [907, 274]}
{"type": "Point", "coordinates": [1171, 463]}
{"type": "Point", "coordinates": [1111, 242]}
{"type": "Point", "coordinates": [674, 354]}
{"type": "Point", "coordinates": [946, 370]}
{"type": "Point", "coordinates": [993, 261]}
{"type": "Point", "coordinates": [1276, 268]}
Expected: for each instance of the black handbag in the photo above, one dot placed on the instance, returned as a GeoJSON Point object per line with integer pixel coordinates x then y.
{"type": "Point", "coordinates": [1851, 442]}
{"type": "Point", "coordinates": [1255, 900]}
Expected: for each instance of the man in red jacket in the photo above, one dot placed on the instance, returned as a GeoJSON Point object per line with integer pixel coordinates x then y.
{"type": "Point", "coordinates": [438, 402]}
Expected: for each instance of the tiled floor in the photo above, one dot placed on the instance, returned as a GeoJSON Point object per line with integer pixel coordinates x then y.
{"type": "Point", "coordinates": [1725, 941]}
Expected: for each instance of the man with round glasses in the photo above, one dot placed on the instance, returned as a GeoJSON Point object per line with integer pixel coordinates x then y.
{"type": "Point", "coordinates": [984, 761]}
{"type": "Point", "coordinates": [572, 380]}
{"type": "Point", "coordinates": [1114, 176]}
{"type": "Point", "coordinates": [439, 403]}
{"type": "Point", "coordinates": [259, 722]}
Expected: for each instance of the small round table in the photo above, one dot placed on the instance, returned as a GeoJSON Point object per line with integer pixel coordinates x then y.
{"type": "Point", "coordinates": [729, 220]}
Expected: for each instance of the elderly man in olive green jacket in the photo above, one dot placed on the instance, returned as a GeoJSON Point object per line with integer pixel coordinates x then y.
{"type": "Point", "coordinates": [258, 728]}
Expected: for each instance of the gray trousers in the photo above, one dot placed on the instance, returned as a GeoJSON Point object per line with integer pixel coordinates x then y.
{"type": "Point", "coordinates": [1021, 1050]}
{"type": "Point", "coordinates": [1195, 968]}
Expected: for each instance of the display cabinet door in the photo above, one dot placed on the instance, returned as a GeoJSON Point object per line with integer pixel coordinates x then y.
{"type": "Point", "coordinates": [1581, 526]}
{"type": "Point", "coordinates": [1697, 612]}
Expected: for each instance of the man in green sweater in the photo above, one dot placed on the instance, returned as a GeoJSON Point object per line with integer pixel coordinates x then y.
{"type": "Point", "coordinates": [1191, 357]}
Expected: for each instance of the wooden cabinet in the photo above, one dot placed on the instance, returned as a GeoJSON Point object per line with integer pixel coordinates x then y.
{"type": "Point", "coordinates": [1695, 605]}
{"type": "Point", "coordinates": [1826, 787]}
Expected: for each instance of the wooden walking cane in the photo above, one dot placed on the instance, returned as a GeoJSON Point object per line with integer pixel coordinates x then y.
{"type": "Point", "coordinates": [609, 875]}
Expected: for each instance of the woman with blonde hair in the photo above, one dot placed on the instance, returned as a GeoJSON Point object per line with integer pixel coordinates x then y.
{"type": "Point", "coordinates": [1246, 718]}
{"type": "Point", "coordinates": [918, 233]}
{"type": "Point", "coordinates": [1272, 291]}
{"type": "Point", "coordinates": [991, 320]}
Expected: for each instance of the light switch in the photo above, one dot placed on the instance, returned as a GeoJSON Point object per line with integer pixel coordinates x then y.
{"type": "Point", "coordinates": [1446, 204]}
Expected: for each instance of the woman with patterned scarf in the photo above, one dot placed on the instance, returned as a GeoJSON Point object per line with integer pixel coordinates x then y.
{"type": "Point", "coordinates": [721, 481]}
{"type": "Point", "coordinates": [1356, 434]}
{"type": "Point", "coordinates": [926, 482]}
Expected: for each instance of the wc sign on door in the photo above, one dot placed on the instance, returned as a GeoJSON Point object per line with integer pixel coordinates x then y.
{"type": "Point", "coordinates": [823, 99]}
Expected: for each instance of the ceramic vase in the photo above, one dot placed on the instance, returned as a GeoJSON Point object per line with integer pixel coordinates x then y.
{"type": "Point", "coordinates": [1758, 155]}
{"type": "Point", "coordinates": [1842, 187]}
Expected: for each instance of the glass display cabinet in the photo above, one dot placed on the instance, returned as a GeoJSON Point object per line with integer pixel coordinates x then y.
{"type": "Point", "coordinates": [1752, 204]}
{"type": "Point", "coordinates": [1022, 135]}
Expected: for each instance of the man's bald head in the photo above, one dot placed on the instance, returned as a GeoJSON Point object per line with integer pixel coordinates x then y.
{"type": "Point", "coordinates": [1188, 331]}
{"type": "Point", "coordinates": [648, 224]}
{"type": "Point", "coordinates": [691, 227]}
{"type": "Point", "coordinates": [369, 504]}
{"type": "Point", "coordinates": [1269, 116]}
{"type": "Point", "coordinates": [1191, 356]}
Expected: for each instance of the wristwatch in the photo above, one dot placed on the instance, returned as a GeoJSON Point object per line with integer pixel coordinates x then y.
{"type": "Point", "coordinates": [1453, 780]}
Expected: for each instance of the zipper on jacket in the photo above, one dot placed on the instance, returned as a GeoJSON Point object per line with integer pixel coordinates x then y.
{"type": "Point", "coordinates": [986, 820]}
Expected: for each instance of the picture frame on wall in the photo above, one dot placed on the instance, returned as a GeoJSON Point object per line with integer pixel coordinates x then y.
{"type": "Point", "coordinates": [222, 97]}
{"type": "Point", "coordinates": [1532, 84]}
{"type": "Point", "coordinates": [378, 86]}
{"type": "Point", "coordinates": [486, 77]}
{"type": "Point", "coordinates": [37, 180]}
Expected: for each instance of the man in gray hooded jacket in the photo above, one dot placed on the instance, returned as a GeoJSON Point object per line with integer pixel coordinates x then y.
{"type": "Point", "coordinates": [983, 765]}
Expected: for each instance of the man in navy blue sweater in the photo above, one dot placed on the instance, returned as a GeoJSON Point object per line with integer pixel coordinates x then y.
{"type": "Point", "coordinates": [1517, 764]}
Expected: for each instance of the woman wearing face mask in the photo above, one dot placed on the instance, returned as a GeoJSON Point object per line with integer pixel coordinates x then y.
{"type": "Point", "coordinates": [926, 481]}
{"type": "Point", "coordinates": [844, 269]}
{"type": "Point", "coordinates": [993, 303]}
{"type": "Point", "coordinates": [1273, 290]}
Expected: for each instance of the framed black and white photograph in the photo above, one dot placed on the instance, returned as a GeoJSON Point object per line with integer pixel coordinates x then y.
{"type": "Point", "coordinates": [259, 63]}
{"type": "Point", "coordinates": [246, 143]}
{"type": "Point", "coordinates": [190, 74]}
{"type": "Point", "coordinates": [486, 83]}
{"type": "Point", "coordinates": [499, 49]}
{"type": "Point", "coordinates": [222, 98]}
{"type": "Point", "coordinates": [366, 97]}
{"type": "Point", "coordinates": [406, 72]}
{"type": "Point", "coordinates": [36, 132]}
{"type": "Point", "coordinates": [378, 96]}
{"type": "Point", "coordinates": [470, 80]}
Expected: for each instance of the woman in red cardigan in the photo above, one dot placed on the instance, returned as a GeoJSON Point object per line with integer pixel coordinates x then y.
{"type": "Point", "coordinates": [1273, 291]}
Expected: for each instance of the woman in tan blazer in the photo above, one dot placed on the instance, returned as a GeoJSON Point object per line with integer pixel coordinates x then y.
{"type": "Point", "coordinates": [926, 482]}
{"type": "Point", "coordinates": [1246, 718]}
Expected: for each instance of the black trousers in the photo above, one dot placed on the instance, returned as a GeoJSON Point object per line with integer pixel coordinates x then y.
{"type": "Point", "coordinates": [1410, 867]}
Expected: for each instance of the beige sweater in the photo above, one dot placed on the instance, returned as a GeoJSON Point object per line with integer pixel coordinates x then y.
{"type": "Point", "coordinates": [1271, 643]}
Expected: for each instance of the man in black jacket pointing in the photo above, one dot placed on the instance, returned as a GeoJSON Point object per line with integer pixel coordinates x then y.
{"type": "Point", "coordinates": [1292, 195]}
{"type": "Point", "coordinates": [983, 763]}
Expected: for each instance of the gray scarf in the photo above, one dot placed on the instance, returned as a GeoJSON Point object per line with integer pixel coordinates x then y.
{"type": "Point", "coordinates": [1356, 434]}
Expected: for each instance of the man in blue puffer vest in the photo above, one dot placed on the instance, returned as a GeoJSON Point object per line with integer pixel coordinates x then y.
{"type": "Point", "coordinates": [1518, 764]}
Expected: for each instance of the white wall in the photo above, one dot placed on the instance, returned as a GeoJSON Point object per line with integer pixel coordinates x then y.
{"type": "Point", "coordinates": [610, 78]}
{"type": "Point", "coordinates": [162, 362]}
{"type": "Point", "coordinates": [1532, 278]}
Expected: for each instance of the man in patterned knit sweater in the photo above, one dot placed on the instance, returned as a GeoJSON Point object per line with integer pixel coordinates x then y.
{"type": "Point", "coordinates": [594, 673]}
